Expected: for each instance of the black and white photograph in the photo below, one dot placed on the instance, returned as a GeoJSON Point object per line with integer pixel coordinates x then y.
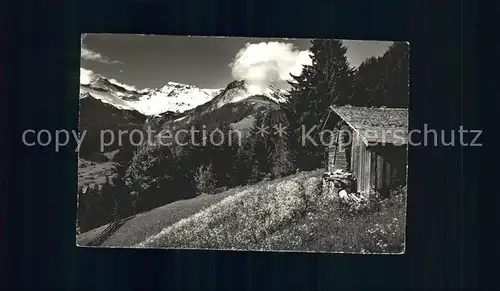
{"type": "Point", "coordinates": [243, 144]}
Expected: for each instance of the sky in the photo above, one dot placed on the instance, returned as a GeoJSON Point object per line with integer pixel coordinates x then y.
{"type": "Point", "coordinates": [147, 61]}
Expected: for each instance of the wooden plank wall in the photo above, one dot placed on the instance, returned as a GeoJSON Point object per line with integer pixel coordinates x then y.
{"type": "Point", "coordinates": [361, 164]}
{"type": "Point", "coordinates": [390, 164]}
{"type": "Point", "coordinates": [376, 168]}
{"type": "Point", "coordinates": [355, 156]}
{"type": "Point", "coordinates": [331, 156]}
{"type": "Point", "coordinates": [336, 155]}
{"type": "Point", "coordinates": [380, 171]}
{"type": "Point", "coordinates": [332, 151]}
{"type": "Point", "coordinates": [365, 169]}
{"type": "Point", "coordinates": [373, 170]}
{"type": "Point", "coordinates": [387, 174]}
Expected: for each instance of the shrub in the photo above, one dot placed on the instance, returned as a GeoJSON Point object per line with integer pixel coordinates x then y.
{"type": "Point", "coordinates": [205, 180]}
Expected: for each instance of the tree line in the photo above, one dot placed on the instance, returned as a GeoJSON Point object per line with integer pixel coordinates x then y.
{"type": "Point", "coordinates": [151, 176]}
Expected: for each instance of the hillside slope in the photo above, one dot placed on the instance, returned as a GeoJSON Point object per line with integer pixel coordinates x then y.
{"type": "Point", "coordinates": [152, 222]}
{"type": "Point", "coordinates": [144, 225]}
{"type": "Point", "coordinates": [289, 214]}
{"type": "Point", "coordinates": [97, 117]}
{"type": "Point", "coordinates": [247, 219]}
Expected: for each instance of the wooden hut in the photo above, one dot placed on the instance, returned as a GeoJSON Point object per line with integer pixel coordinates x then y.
{"type": "Point", "coordinates": [373, 146]}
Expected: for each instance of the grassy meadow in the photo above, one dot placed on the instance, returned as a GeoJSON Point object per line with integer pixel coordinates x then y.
{"type": "Point", "coordinates": [289, 214]}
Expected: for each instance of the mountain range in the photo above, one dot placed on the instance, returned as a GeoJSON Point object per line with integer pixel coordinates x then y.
{"type": "Point", "coordinates": [108, 105]}
{"type": "Point", "coordinates": [172, 97]}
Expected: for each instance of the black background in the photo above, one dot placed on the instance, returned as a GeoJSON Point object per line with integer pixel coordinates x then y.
{"type": "Point", "coordinates": [40, 80]}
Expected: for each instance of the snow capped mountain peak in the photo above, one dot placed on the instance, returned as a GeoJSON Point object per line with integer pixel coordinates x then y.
{"type": "Point", "coordinates": [234, 92]}
{"type": "Point", "coordinates": [173, 96]}
{"type": "Point", "coordinates": [173, 88]}
{"type": "Point", "coordinates": [179, 85]}
{"type": "Point", "coordinates": [240, 89]}
{"type": "Point", "coordinates": [276, 94]}
{"type": "Point", "coordinates": [100, 81]}
{"type": "Point", "coordinates": [237, 84]}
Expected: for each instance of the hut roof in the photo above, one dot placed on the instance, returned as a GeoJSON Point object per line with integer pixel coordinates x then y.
{"type": "Point", "coordinates": [377, 126]}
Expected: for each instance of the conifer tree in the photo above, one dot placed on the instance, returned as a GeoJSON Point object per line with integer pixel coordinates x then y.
{"type": "Point", "coordinates": [261, 145]}
{"type": "Point", "coordinates": [150, 175]}
{"type": "Point", "coordinates": [333, 76]}
{"type": "Point", "coordinates": [205, 180]}
{"type": "Point", "coordinates": [327, 81]}
{"type": "Point", "coordinates": [82, 211]}
{"type": "Point", "coordinates": [397, 75]}
{"type": "Point", "coordinates": [223, 149]}
{"type": "Point", "coordinates": [383, 81]}
{"type": "Point", "coordinates": [282, 158]}
{"type": "Point", "coordinates": [88, 208]}
{"type": "Point", "coordinates": [108, 202]}
{"type": "Point", "coordinates": [242, 167]}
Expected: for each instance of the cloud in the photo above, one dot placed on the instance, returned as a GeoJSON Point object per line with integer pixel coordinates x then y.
{"type": "Point", "coordinates": [87, 76]}
{"type": "Point", "coordinates": [266, 63]}
{"type": "Point", "coordinates": [304, 58]}
{"type": "Point", "coordinates": [90, 55]}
